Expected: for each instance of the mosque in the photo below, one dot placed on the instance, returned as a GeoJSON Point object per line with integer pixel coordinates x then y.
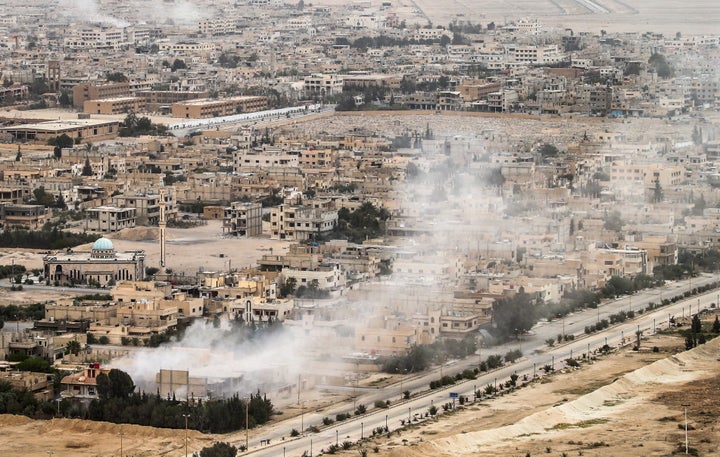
{"type": "Point", "coordinates": [101, 267]}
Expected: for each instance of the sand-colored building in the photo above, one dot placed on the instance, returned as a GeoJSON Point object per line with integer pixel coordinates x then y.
{"type": "Point", "coordinates": [117, 105]}
{"type": "Point", "coordinates": [242, 219]}
{"type": "Point", "coordinates": [78, 129]}
{"type": "Point", "coordinates": [110, 218]}
{"type": "Point", "coordinates": [93, 91]}
{"type": "Point", "coordinates": [206, 107]}
{"type": "Point", "coordinates": [102, 266]}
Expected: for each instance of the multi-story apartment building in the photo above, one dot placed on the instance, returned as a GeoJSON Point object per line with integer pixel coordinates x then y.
{"type": "Point", "coordinates": [242, 219]}
{"type": "Point", "coordinates": [147, 206]}
{"type": "Point", "coordinates": [110, 218]}
{"type": "Point", "coordinates": [97, 38]}
{"type": "Point", "coordinates": [32, 217]}
{"type": "Point", "coordinates": [329, 276]}
{"type": "Point", "coordinates": [217, 26]}
{"type": "Point", "coordinates": [93, 91]}
{"type": "Point", "coordinates": [323, 85]}
{"type": "Point", "coordinates": [248, 159]}
{"type": "Point", "coordinates": [205, 108]}
{"type": "Point", "coordinates": [301, 223]}
{"type": "Point", "coordinates": [535, 55]}
{"type": "Point", "coordinates": [119, 105]}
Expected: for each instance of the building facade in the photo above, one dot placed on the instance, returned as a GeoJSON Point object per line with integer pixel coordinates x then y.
{"type": "Point", "coordinates": [102, 266]}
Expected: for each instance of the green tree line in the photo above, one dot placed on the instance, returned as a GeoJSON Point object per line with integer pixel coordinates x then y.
{"type": "Point", "coordinates": [419, 358]}
{"type": "Point", "coordinates": [47, 238]}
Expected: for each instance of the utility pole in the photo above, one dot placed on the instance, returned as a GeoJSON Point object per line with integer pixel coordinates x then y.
{"type": "Point", "coordinates": [247, 424]}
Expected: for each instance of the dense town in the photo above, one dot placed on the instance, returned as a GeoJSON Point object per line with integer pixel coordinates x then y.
{"type": "Point", "coordinates": [198, 214]}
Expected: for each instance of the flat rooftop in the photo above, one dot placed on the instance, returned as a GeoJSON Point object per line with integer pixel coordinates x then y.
{"type": "Point", "coordinates": [59, 126]}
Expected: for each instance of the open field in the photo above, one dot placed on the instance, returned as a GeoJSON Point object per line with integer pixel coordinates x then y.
{"type": "Point", "coordinates": [692, 17]}
{"type": "Point", "coordinates": [665, 16]}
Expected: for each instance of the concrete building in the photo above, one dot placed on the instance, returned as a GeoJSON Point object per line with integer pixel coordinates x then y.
{"type": "Point", "coordinates": [328, 276]}
{"type": "Point", "coordinates": [147, 206]}
{"type": "Point", "coordinates": [119, 105]}
{"type": "Point", "coordinates": [103, 265]}
{"type": "Point", "coordinates": [144, 318]}
{"type": "Point", "coordinates": [93, 91]}
{"type": "Point", "coordinates": [109, 219]}
{"type": "Point", "coordinates": [301, 223]}
{"type": "Point", "coordinates": [242, 219]}
{"type": "Point", "coordinates": [205, 108]}
{"type": "Point", "coordinates": [82, 386]}
{"type": "Point", "coordinates": [32, 217]}
{"type": "Point", "coordinates": [79, 130]}
{"type": "Point", "coordinates": [323, 85]}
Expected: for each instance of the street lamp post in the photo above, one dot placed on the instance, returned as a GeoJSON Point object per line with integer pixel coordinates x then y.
{"type": "Point", "coordinates": [302, 417]}
{"type": "Point", "coordinates": [685, 405]}
{"type": "Point", "coordinates": [186, 416]}
{"type": "Point", "coordinates": [362, 430]}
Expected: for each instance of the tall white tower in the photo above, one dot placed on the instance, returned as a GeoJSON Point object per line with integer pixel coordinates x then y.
{"type": "Point", "coordinates": [161, 224]}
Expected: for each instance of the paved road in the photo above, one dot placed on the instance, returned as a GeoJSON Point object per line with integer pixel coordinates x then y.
{"type": "Point", "coordinates": [537, 355]}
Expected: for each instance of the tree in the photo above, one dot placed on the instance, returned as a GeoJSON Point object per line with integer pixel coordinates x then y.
{"type": "Point", "coordinates": [715, 326]}
{"type": "Point", "coordinates": [64, 99]}
{"type": "Point", "coordinates": [657, 192]}
{"type": "Point", "coordinates": [18, 156]}
{"type": "Point", "coordinates": [73, 347]}
{"type": "Point", "coordinates": [87, 168]}
{"type": "Point", "coordinates": [116, 77]}
{"type": "Point", "coordinates": [60, 202]}
{"type": "Point", "coordinates": [115, 384]}
{"type": "Point", "coordinates": [219, 449]}
{"type": "Point", "coordinates": [548, 150]}
{"type": "Point", "coordinates": [63, 141]}
{"type": "Point", "coordinates": [178, 64]}
{"type": "Point", "coordinates": [288, 288]}
{"type": "Point", "coordinates": [696, 325]}
{"type": "Point", "coordinates": [515, 315]}
{"type": "Point", "coordinates": [35, 364]}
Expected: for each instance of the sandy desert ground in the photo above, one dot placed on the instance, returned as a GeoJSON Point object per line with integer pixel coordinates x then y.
{"type": "Point", "coordinates": [626, 404]}
{"type": "Point", "coordinates": [664, 16]}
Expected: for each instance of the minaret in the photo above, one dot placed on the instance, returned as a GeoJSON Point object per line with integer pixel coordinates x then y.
{"type": "Point", "coordinates": [161, 225]}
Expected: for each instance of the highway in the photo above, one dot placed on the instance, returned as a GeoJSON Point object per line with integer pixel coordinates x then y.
{"type": "Point", "coordinates": [536, 355]}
